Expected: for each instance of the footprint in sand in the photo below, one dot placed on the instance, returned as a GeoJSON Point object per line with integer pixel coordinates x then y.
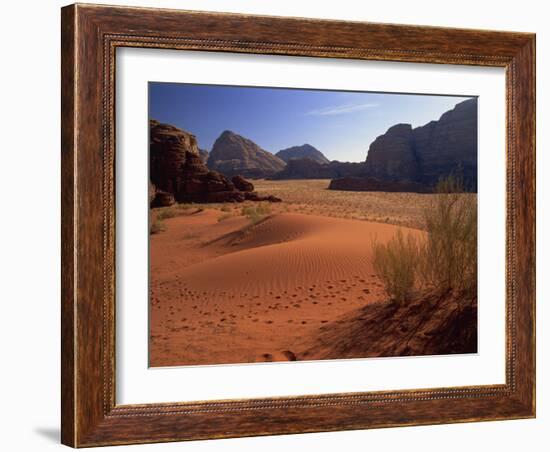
{"type": "Point", "coordinates": [268, 357]}
{"type": "Point", "coordinates": [289, 355]}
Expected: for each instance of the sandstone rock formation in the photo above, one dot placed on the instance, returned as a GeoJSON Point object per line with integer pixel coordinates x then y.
{"type": "Point", "coordinates": [423, 155]}
{"type": "Point", "coordinates": [168, 147]}
{"type": "Point", "coordinates": [201, 185]}
{"type": "Point", "coordinates": [391, 156]}
{"type": "Point", "coordinates": [162, 199]}
{"type": "Point", "coordinates": [234, 155]}
{"type": "Point", "coordinates": [242, 184]}
{"type": "Point", "coordinates": [254, 196]}
{"type": "Point", "coordinates": [442, 146]}
{"type": "Point", "coordinates": [177, 172]}
{"type": "Point", "coordinates": [300, 152]}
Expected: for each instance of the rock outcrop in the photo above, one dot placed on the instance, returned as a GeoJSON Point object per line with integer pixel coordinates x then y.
{"type": "Point", "coordinates": [443, 146]}
{"type": "Point", "coordinates": [392, 156]}
{"type": "Point", "coordinates": [202, 185]}
{"type": "Point", "coordinates": [234, 155]}
{"type": "Point", "coordinates": [162, 199]}
{"type": "Point", "coordinates": [178, 173]}
{"type": "Point", "coordinates": [242, 184]}
{"type": "Point", "coordinates": [168, 148]}
{"type": "Point", "coordinates": [421, 156]}
{"type": "Point", "coordinates": [300, 152]}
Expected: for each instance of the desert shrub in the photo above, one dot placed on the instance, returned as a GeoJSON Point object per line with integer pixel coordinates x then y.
{"type": "Point", "coordinates": [225, 208]}
{"type": "Point", "coordinates": [224, 217]}
{"type": "Point", "coordinates": [395, 262]}
{"type": "Point", "coordinates": [447, 259]}
{"type": "Point", "coordinates": [156, 226]}
{"type": "Point", "coordinates": [256, 213]}
{"type": "Point", "coordinates": [449, 256]}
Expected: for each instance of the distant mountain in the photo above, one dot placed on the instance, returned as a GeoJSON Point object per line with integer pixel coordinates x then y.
{"type": "Point", "coordinates": [233, 155]}
{"type": "Point", "coordinates": [421, 156]}
{"type": "Point", "coordinates": [300, 152]}
{"type": "Point", "coordinates": [306, 168]}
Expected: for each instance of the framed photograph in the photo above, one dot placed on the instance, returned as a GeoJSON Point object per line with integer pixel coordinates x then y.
{"type": "Point", "coordinates": [283, 225]}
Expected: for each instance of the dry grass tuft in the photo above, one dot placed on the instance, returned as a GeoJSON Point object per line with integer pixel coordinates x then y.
{"type": "Point", "coordinates": [395, 262]}
{"type": "Point", "coordinates": [156, 227]}
{"type": "Point", "coordinates": [449, 257]}
{"type": "Point", "coordinates": [447, 260]}
{"type": "Point", "coordinates": [257, 212]}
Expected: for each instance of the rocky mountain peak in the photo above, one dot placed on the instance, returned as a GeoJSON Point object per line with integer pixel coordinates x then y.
{"type": "Point", "coordinates": [300, 152]}
{"type": "Point", "coordinates": [233, 154]}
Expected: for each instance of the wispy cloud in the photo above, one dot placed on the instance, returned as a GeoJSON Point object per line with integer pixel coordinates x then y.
{"type": "Point", "coordinates": [341, 109]}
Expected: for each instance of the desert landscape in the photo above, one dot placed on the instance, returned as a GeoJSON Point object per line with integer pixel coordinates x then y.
{"type": "Point", "coordinates": [289, 256]}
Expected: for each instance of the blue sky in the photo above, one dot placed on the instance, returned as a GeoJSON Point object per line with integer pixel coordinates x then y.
{"type": "Point", "coordinates": [340, 124]}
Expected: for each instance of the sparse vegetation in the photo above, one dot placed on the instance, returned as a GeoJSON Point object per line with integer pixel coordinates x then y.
{"type": "Point", "coordinates": [256, 212]}
{"type": "Point", "coordinates": [156, 227]}
{"type": "Point", "coordinates": [166, 213]}
{"type": "Point", "coordinates": [224, 217]}
{"type": "Point", "coordinates": [176, 210]}
{"type": "Point", "coordinates": [312, 197]}
{"type": "Point", "coordinates": [449, 256]}
{"type": "Point", "coordinates": [395, 262]}
{"type": "Point", "coordinates": [446, 260]}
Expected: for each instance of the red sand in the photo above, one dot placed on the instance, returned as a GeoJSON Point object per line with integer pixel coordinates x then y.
{"type": "Point", "coordinates": [228, 292]}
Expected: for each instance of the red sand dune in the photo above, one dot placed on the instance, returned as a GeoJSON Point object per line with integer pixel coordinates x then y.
{"type": "Point", "coordinates": [230, 292]}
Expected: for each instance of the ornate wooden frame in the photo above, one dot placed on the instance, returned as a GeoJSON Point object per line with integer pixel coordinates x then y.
{"type": "Point", "coordinates": [90, 35]}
